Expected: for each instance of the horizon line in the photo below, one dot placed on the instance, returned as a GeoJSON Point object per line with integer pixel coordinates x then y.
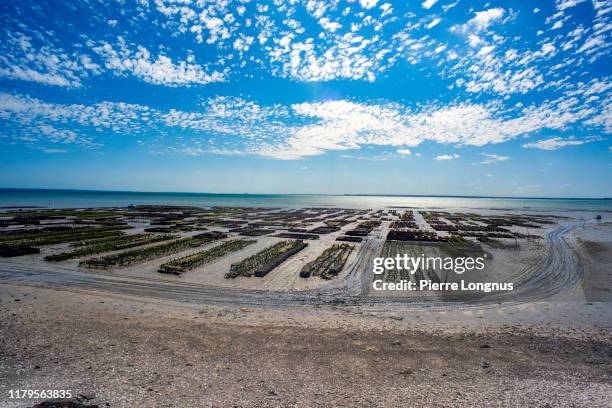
{"type": "Point", "coordinates": [4, 189]}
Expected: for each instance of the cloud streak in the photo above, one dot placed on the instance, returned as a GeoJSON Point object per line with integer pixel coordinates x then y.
{"type": "Point", "coordinates": [301, 130]}
{"type": "Point", "coordinates": [553, 143]}
{"type": "Point", "coordinates": [491, 158]}
{"type": "Point", "coordinates": [447, 157]}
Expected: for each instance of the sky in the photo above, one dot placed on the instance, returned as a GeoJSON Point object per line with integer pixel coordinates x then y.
{"type": "Point", "coordinates": [446, 97]}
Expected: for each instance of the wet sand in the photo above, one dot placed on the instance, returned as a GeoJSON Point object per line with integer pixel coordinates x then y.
{"type": "Point", "coordinates": [595, 245]}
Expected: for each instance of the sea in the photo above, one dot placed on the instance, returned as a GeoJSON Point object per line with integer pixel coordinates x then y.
{"type": "Point", "coordinates": [14, 198]}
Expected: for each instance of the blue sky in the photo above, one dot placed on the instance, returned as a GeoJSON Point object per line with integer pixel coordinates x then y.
{"type": "Point", "coordinates": [460, 97]}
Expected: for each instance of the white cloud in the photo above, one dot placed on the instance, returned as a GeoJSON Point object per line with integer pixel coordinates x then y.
{"type": "Point", "coordinates": [427, 4]}
{"type": "Point", "coordinates": [349, 42]}
{"type": "Point", "coordinates": [54, 151]}
{"type": "Point", "coordinates": [368, 4]}
{"type": "Point", "coordinates": [450, 6]}
{"type": "Point", "coordinates": [592, 44]}
{"type": "Point", "coordinates": [491, 158]}
{"type": "Point", "coordinates": [31, 75]}
{"type": "Point", "coordinates": [439, 49]}
{"type": "Point", "coordinates": [385, 156]}
{"type": "Point", "coordinates": [404, 152]}
{"type": "Point", "coordinates": [344, 125]}
{"type": "Point", "coordinates": [59, 123]}
{"type": "Point", "coordinates": [39, 60]}
{"type": "Point", "coordinates": [243, 44]}
{"type": "Point", "coordinates": [351, 57]}
{"type": "Point", "coordinates": [548, 48]}
{"type": "Point", "coordinates": [553, 143]}
{"type": "Point", "coordinates": [328, 25]}
{"type": "Point", "coordinates": [444, 157]}
{"type": "Point", "coordinates": [433, 23]}
{"type": "Point", "coordinates": [481, 20]}
{"type": "Point", "coordinates": [474, 40]}
{"type": "Point", "coordinates": [565, 4]}
{"type": "Point", "coordinates": [558, 24]}
{"type": "Point", "coordinates": [225, 124]}
{"type": "Point", "coordinates": [160, 70]}
{"type": "Point", "coordinates": [56, 135]}
{"type": "Point", "coordinates": [603, 118]}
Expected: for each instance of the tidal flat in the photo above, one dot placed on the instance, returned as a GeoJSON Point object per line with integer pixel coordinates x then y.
{"type": "Point", "coordinates": [221, 306]}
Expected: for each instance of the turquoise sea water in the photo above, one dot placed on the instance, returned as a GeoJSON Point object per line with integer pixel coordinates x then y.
{"type": "Point", "coordinates": [81, 198]}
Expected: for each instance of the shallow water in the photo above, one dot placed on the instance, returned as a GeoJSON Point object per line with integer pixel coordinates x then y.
{"type": "Point", "coordinates": [79, 199]}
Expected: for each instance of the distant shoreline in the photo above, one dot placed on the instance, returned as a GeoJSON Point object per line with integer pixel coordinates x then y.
{"type": "Point", "coordinates": [85, 191]}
